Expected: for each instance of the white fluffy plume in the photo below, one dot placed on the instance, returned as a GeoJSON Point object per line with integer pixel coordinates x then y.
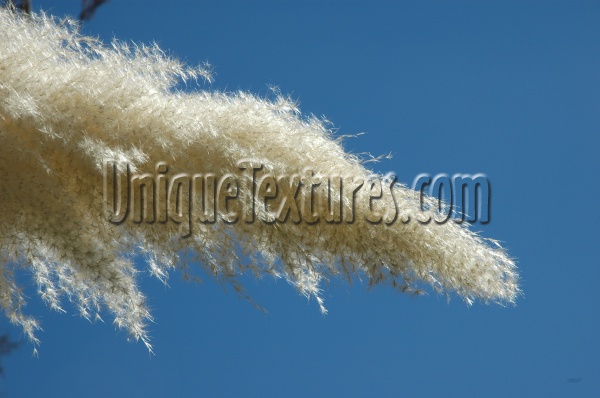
{"type": "Point", "coordinates": [69, 103]}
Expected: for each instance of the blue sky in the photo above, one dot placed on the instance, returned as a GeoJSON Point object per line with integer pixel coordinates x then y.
{"type": "Point", "coordinates": [509, 89]}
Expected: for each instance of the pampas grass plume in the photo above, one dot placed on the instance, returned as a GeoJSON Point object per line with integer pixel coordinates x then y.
{"type": "Point", "coordinates": [68, 103]}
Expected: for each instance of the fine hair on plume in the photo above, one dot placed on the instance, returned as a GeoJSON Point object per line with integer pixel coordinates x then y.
{"type": "Point", "coordinates": [69, 104]}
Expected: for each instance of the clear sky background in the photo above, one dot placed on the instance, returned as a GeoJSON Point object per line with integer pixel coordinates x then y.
{"type": "Point", "coordinates": [509, 89]}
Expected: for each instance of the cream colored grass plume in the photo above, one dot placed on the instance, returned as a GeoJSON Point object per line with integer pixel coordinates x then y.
{"type": "Point", "coordinates": [68, 104]}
